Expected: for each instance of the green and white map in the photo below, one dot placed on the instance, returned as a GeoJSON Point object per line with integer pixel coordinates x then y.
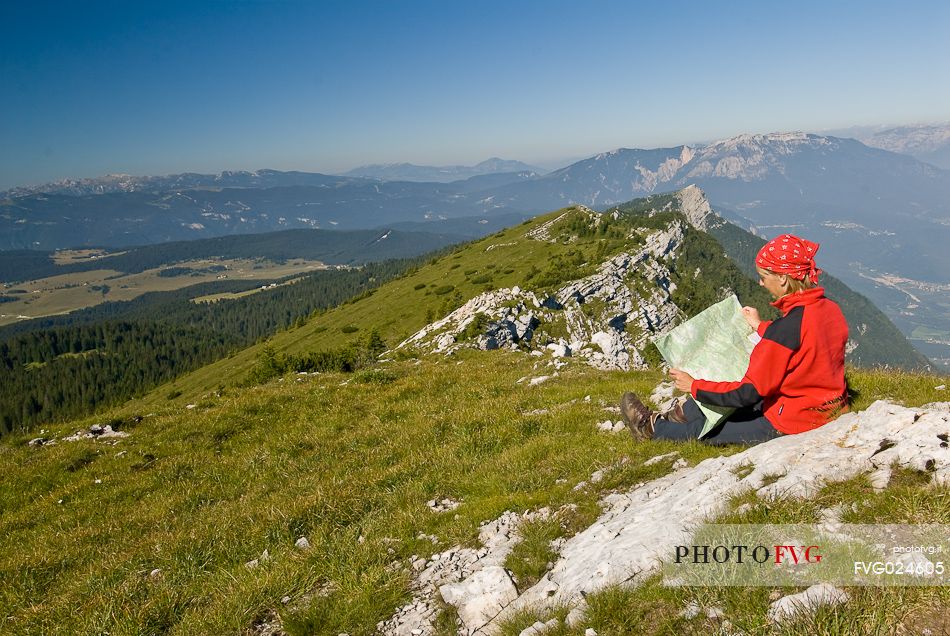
{"type": "Point", "coordinates": [713, 345]}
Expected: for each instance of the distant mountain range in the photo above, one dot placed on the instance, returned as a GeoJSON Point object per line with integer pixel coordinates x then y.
{"type": "Point", "coordinates": [113, 183]}
{"type": "Point", "coordinates": [925, 142]}
{"type": "Point", "coordinates": [440, 174]}
{"type": "Point", "coordinates": [235, 203]}
{"type": "Point", "coordinates": [883, 218]}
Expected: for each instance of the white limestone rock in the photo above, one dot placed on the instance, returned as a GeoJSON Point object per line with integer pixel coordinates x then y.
{"type": "Point", "coordinates": [576, 616]}
{"type": "Point", "coordinates": [659, 458]}
{"type": "Point", "coordinates": [444, 342]}
{"type": "Point", "coordinates": [626, 544]}
{"type": "Point", "coordinates": [695, 207]}
{"type": "Point", "coordinates": [715, 613]}
{"type": "Point", "coordinates": [662, 396]}
{"type": "Point", "coordinates": [454, 566]}
{"type": "Point", "coordinates": [608, 426]}
{"type": "Point", "coordinates": [480, 597]}
{"type": "Point", "coordinates": [532, 630]}
{"type": "Point", "coordinates": [108, 433]}
{"type": "Point", "coordinates": [559, 350]}
{"type": "Point", "coordinates": [691, 610]}
{"type": "Point", "coordinates": [539, 628]}
{"type": "Point", "coordinates": [95, 431]}
{"type": "Point", "coordinates": [816, 596]}
{"type": "Point", "coordinates": [611, 344]}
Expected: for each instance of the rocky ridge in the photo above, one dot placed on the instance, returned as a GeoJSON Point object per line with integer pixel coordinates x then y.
{"type": "Point", "coordinates": [751, 157]}
{"type": "Point", "coordinates": [608, 316]}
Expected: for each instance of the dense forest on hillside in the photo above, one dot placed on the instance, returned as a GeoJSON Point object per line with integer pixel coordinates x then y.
{"type": "Point", "coordinates": [66, 366]}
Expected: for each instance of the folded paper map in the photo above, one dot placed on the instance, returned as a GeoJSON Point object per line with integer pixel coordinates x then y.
{"type": "Point", "coordinates": [713, 345]}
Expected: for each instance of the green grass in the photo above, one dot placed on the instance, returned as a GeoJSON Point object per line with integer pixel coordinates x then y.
{"type": "Point", "coordinates": [908, 498]}
{"type": "Point", "coordinates": [529, 560]}
{"type": "Point", "coordinates": [401, 307]}
{"type": "Point", "coordinates": [199, 492]}
{"type": "Point", "coordinates": [903, 387]}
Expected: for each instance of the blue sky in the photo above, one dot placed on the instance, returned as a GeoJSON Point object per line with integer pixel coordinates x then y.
{"type": "Point", "coordinates": [156, 88]}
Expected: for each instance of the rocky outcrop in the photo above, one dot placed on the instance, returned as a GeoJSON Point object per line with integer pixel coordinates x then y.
{"type": "Point", "coordinates": [96, 432]}
{"type": "Point", "coordinates": [695, 207]}
{"type": "Point", "coordinates": [751, 157]}
{"type": "Point", "coordinates": [631, 292]}
{"type": "Point", "coordinates": [473, 580]}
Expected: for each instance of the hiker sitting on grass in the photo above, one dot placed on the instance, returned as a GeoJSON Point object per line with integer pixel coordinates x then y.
{"type": "Point", "coordinates": [795, 380]}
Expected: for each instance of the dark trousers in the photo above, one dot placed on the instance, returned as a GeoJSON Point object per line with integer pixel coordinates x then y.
{"type": "Point", "coordinates": [745, 426]}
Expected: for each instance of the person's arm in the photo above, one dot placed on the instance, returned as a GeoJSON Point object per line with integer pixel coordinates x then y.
{"type": "Point", "coordinates": [768, 366]}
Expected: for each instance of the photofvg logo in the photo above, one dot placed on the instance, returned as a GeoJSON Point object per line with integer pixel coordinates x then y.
{"type": "Point", "coordinates": [803, 554]}
{"type": "Point", "coordinates": [761, 554]}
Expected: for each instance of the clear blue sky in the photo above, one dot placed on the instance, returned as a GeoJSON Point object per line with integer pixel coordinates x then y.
{"type": "Point", "coordinates": [89, 88]}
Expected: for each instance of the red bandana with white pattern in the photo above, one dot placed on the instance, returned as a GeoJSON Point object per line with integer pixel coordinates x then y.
{"type": "Point", "coordinates": [788, 254]}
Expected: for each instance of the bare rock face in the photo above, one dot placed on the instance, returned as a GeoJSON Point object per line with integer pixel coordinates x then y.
{"type": "Point", "coordinates": [751, 157]}
{"type": "Point", "coordinates": [480, 597]}
{"type": "Point", "coordinates": [695, 206]}
{"type": "Point", "coordinates": [625, 545]}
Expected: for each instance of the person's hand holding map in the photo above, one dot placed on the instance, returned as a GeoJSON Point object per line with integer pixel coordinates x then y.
{"type": "Point", "coordinates": [713, 345]}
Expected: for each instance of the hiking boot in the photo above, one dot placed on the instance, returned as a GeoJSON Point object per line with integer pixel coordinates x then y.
{"type": "Point", "coordinates": [638, 418]}
{"type": "Point", "coordinates": [673, 414]}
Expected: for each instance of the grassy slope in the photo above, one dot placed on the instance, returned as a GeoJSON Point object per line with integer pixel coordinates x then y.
{"type": "Point", "coordinates": [396, 310]}
{"type": "Point", "coordinates": [199, 492]}
{"type": "Point", "coordinates": [400, 307]}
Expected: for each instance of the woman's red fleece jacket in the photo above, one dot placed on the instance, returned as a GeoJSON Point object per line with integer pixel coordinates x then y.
{"type": "Point", "coordinates": [796, 370]}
